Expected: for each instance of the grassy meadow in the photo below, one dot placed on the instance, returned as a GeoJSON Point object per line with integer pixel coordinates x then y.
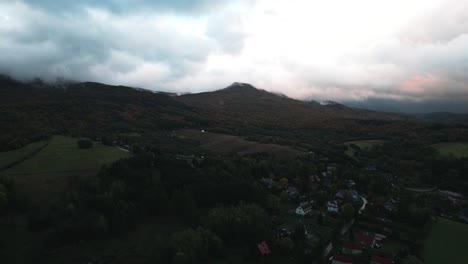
{"type": "Point", "coordinates": [45, 175]}
{"type": "Point", "coordinates": [457, 150]}
{"type": "Point", "coordinates": [446, 243]}
{"type": "Point", "coordinates": [10, 157]}
{"type": "Point", "coordinates": [63, 154]}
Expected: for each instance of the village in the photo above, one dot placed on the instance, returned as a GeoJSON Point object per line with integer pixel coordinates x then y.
{"type": "Point", "coordinates": [349, 223]}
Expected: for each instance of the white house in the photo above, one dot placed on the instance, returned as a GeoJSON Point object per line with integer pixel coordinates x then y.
{"type": "Point", "coordinates": [332, 206]}
{"type": "Point", "coordinates": [304, 208]}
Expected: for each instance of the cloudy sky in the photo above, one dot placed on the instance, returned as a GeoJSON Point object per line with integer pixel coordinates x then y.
{"type": "Point", "coordinates": [403, 50]}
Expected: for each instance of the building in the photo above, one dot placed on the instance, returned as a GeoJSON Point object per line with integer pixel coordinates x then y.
{"type": "Point", "coordinates": [366, 240]}
{"type": "Point", "coordinates": [293, 192]}
{"type": "Point", "coordinates": [349, 248]}
{"type": "Point", "coordinates": [332, 206]}
{"type": "Point", "coordinates": [267, 182]}
{"type": "Point", "coordinates": [340, 194]}
{"type": "Point", "coordinates": [263, 248]}
{"type": "Point", "coordinates": [304, 208]}
{"type": "Point", "coordinates": [339, 259]}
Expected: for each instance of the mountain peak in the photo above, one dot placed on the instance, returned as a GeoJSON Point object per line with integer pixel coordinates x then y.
{"type": "Point", "coordinates": [241, 85]}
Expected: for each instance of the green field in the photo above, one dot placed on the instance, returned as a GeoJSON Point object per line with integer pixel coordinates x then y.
{"type": "Point", "coordinates": [362, 144]}
{"type": "Point", "coordinates": [457, 150]}
{"type": "Point", "coordinates": [46, 175]}
{"type": "Point", "coordinates": [63, 154]}
{"type": "Point", "coordinates": [446, 243]}
{"type": "Point", "coordinates": [9, 157]}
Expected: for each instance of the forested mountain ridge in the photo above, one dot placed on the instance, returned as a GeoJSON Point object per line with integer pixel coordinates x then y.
{"type": "Point", "coordinates": [29, 111]}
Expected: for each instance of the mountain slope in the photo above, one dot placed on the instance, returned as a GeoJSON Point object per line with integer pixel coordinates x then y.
{"type": "Point", "coordinates": [80, 109]}
{"type": "Point", "coordinates": [32, 111]}
{"type": "Point", "coordinates": [244, 103]}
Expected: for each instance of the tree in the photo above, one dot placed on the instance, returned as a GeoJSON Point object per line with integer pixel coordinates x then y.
{"type": "Point", "coordinates": [245, 223]}
{"type": "Point", "coordinates": [418, 215]}
{"type": "Point", "coordinates": [3, 200]}
{"type": "Point", "coordinates": [84, 143]}
{"type": "Point", "coordinates": [284, 182]}
{"type": "Point", "coordinates": [183, 205]}
{"type": "Point", "coordinates": [347, 211]}
{"type": "Point", "coordinates": [195, 245]}
{"type": "Point", "coordinates": [273, 203]}
{"type": "Point", "coordinates": [284, 246]}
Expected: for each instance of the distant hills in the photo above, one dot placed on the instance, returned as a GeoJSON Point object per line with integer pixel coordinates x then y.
{"type": "Point", "coordinates": [32, 110]}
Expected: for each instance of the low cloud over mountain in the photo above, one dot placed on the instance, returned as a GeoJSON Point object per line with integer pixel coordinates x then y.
{"type": "Point", "coordinates": [403, 51]}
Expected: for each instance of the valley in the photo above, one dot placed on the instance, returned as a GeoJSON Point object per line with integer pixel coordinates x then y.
{"type": "Point", "coordinates": [111, 174]}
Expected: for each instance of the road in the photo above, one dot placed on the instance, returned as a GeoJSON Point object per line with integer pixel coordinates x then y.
{"type": "Point", "coordinates": [364, 203]}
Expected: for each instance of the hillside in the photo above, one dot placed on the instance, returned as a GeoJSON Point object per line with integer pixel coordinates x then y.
{"type": "Point", "coordinates": [30, 113]}
{"type": "Point", "coordinates": [249, 106]}
{"type": "Point", "coordinates": [34, 111]}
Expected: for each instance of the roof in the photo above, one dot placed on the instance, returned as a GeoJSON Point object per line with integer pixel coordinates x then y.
{"type": "Point", "coordinates": [264, 249]}
{"type": "Point", "coordinates": [381, 260]}
{"type": "Point", "coordinates": [344, 259]}
{"type": "Point", "coordinates": [352, 245]}
{"type": "Point", "coordinates": [366, 239]}
{"type": "Point", "coordinates": [340, 194]}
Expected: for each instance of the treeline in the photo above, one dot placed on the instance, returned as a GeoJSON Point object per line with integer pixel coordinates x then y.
{"type": "Point", "coordinates": [218, 201]}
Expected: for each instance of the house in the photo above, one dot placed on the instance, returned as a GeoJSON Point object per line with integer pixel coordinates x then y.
{"type": "Point", "coordinates": [304, 208]}
{"type": "Point", "coordinates": [366, 239]}
{"type": "Point", "coordinates": [332, 206]}
{"type": "Point", "coordinates": [380, 238]}
{"type": "Point", "coordinates": [350, 184]}
{"type": "Point", "coordinates": [314, 178]}
{"type": "Point", "coordinates": [331, 169]}
{"type": "Point", "coordinates": [380, 260]}
{"type": "Point", "coordinates": [339, 259]}
{"type": "Point", "coordinates": [267, 182]}
{"type": "Point", "coordinates": [340, 194]}
{"type": "Point", "coordinates": [263, 248]}
{"type": "Point", "coordinates": [349, 248]}
{"type": "Point", "coordinates": [293, 192]}
{"type": "Point", "coordinates": [371, 168]}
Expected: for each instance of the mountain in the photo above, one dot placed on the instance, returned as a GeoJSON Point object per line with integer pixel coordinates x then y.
{"type": "Point", "coordinates": [28, 113]}
{"type": "Point", "coordinates": [32, 110]}
{"type": "Point", "coordinates": [246, 103]}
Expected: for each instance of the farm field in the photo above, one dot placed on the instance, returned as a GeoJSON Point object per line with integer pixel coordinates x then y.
{"type": "Point", "coordinates": [457, 150]}
{"type": "Point", "coordinates": [9, 157]}
{"type": "Point", "coordinates": [362, 144]}
{"type": "Point", "coordinates": [63, 154]}
{"type": "Point", "coordinates": [446, 243]}
{"type": "Point", "coordinates": [46, 175]}
{"type": "Point", "coordinates": [227, 144]}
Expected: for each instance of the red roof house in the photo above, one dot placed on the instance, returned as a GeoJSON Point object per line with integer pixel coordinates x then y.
{"type": "Point", "coordinates": [351, 248]}
{"type": "Point", "coordinates": [263, 247]}
{"type": "Point", "coordinates": [366, 239]}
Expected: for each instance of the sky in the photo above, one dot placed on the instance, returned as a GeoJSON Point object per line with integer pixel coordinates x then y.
{"type": "Point", "coordinates": [413, 51]}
